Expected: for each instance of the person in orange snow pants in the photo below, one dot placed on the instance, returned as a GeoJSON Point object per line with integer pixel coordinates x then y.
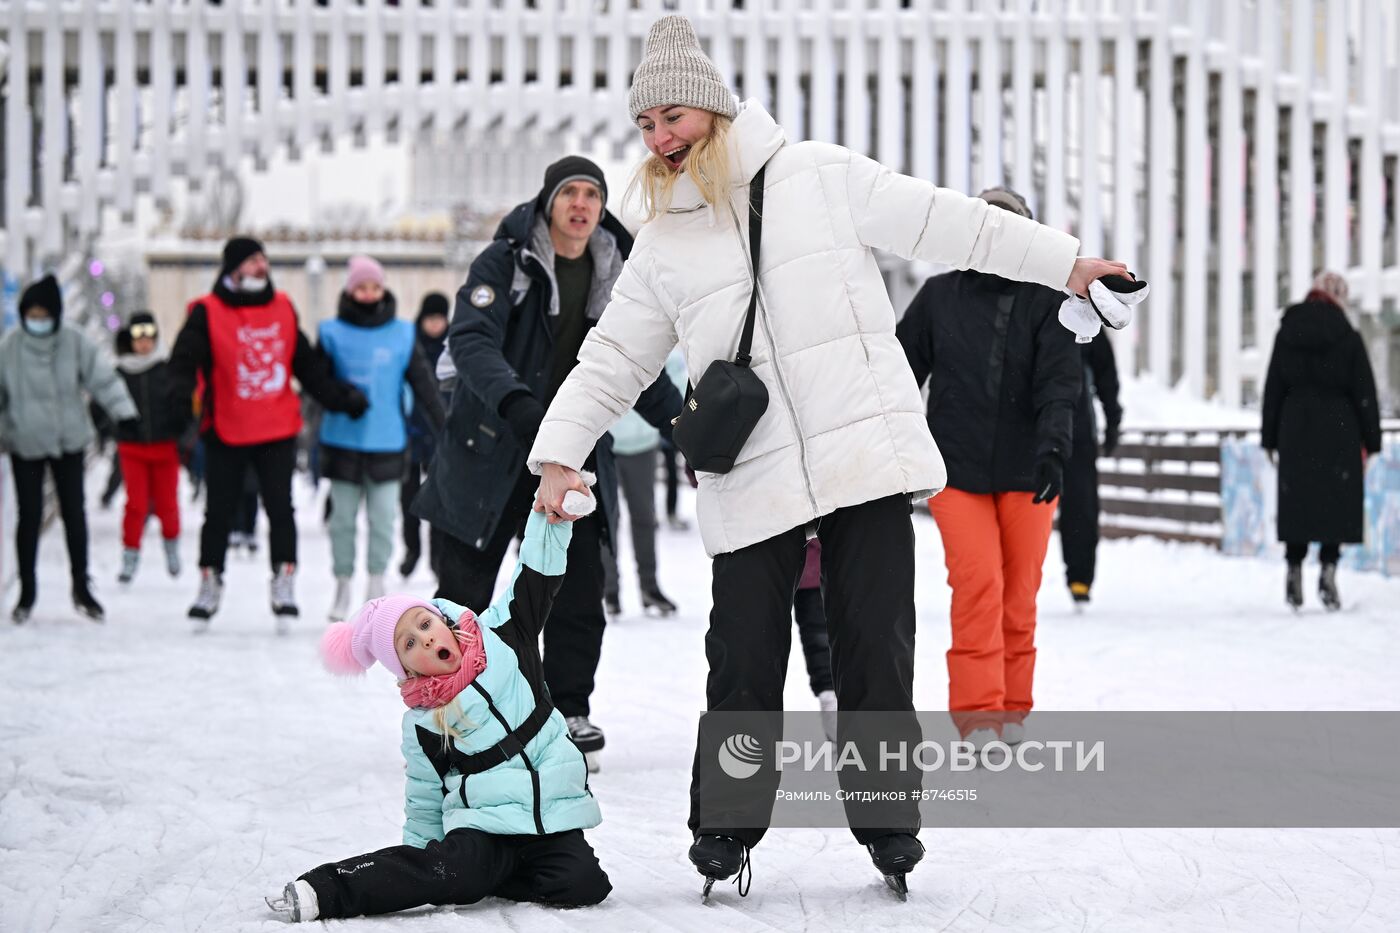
{"type": "Point", "coordinates": [1003, 377]}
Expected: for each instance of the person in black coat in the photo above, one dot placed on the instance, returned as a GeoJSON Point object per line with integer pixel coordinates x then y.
{"type": "Point", "coordinates": [1079, 504]}
{"type": "Point", "coordinates": [1321, 420]}
{"type": "Point", "coordinates": [1003, 379]}
{"type": "Point", "coordinates": [432, 337]}
{"type": "Point", "coordinates": [529, 300]}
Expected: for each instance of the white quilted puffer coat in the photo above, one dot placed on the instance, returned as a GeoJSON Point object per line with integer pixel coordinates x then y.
{"type": "Point", "coordinates": [845, 422]}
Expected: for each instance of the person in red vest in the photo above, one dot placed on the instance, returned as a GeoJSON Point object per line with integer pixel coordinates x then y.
{"type": "Point", "coordinates": [243, 341]}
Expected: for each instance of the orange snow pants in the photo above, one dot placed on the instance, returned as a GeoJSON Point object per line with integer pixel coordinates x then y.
{"type": "Point", "coordinates": [994, 546]}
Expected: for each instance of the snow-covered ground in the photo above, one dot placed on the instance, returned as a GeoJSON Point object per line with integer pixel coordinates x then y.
{"type": "Point", "coordinates": [154, 780]}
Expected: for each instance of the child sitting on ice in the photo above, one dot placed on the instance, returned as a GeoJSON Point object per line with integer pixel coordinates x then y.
{"type": "Point", "coordinates": [497, 796]}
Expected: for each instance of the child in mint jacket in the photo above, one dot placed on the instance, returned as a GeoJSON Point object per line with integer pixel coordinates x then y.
{"type": "Point", "coordinates": [497, 797]}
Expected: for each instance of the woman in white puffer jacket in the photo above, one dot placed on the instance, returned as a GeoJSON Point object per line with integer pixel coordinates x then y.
{"type": "Point", "coordinates": [844, 441]}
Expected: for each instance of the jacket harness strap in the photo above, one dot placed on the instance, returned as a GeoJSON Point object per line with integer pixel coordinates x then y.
{"type": "Point", "coordinates": [507, 748]}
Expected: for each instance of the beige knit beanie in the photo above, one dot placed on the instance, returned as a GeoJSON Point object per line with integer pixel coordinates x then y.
{"type": "Point", "coordinates": [675, 71]}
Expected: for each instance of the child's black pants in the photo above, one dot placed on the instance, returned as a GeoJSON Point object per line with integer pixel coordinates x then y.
{"type": "Point", "coordinates": [559, 869]}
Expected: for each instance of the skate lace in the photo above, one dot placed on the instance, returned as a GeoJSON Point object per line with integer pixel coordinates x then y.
{"type": "Point", "coordinates": [741, 879]}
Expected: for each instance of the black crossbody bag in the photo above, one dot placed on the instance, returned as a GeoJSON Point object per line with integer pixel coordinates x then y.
{"type": "Point", "coordinates": [723, 408]}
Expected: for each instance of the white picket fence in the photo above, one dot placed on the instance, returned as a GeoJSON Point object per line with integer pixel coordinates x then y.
{"type": "Point", "coordinates": [1224, 149]}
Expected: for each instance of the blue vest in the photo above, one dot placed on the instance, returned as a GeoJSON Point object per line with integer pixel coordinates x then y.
{"type": "Point", "coordinates": [375, 360]}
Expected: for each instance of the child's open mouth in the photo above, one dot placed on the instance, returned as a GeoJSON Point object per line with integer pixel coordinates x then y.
{"type": "Point", "coordinates": [677, 156]}
{"type": "Point", "coordinates": [444, 654]}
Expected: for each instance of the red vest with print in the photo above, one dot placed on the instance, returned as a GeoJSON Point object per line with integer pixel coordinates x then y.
{"type": "Point", "coordinates": [251, 348]}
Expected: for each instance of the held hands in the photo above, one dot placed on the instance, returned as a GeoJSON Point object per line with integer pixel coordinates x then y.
{"type": "Point", "coordinates": [556, 482]}
{"type": "Point", "coordinates": [1087, 270]}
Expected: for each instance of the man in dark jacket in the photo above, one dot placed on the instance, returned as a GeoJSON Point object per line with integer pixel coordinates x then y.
{"type": "Point", "coordinates": [1321, 420]}
{"type": "Point", "coordinates": [1004, 376]}
{"type": "Point", "coordinates": [1079, 504]}
{"type": "Point", "coordinates": [432, 336]}
{"type": "Point", "coordinates": [243, 343]}
{"type": "Point", "coordinates": [529, 299]}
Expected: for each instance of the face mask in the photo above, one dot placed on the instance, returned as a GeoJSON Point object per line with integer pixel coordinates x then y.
{"type": "Point", "coordinates": [250, 284]}
{"type": "Point", "coordinates": [41, 327]}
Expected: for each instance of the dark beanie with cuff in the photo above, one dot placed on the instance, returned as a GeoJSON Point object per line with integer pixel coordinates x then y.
{"type": "Point", "coordinates": [236, 251]}
{"type": "Point", "coordinates": [567, 169]}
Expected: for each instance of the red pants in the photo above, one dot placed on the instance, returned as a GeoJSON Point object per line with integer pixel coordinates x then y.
{"type": "Point", "coordinates": [994, 546]}
{"type": "Point", "coordinates": [151, 473]}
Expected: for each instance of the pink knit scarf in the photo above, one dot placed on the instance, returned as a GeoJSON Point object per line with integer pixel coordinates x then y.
{"type": "Point", "coordinates": [430, 692]}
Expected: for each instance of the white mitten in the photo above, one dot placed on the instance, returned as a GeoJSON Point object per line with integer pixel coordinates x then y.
{"type": "Point", "coordinates": [1078, 317]}
{"type": "Point", "coordinates": [576, 503]}
{"type": "Point", "coordinates": [1114, 296]}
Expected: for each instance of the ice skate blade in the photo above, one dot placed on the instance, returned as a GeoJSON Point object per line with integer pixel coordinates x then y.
{"type": "Point", "coordinates": [899, 886]}
{"type": "Point", "coordinates": [705, 892]}
{"type": "Point", "coordinates": [199, 626]}
{"type": "Point", "coordinates": [593, 762]}
{"type": "Point", "coordinates": [282, 625]}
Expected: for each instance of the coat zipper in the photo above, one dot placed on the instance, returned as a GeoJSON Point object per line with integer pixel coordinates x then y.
{"type": "Point", "coordinates": [777, 368]}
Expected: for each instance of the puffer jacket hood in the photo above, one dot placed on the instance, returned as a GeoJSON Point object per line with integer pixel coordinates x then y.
{"type": "Point", "coordinates": [845, 422]}
{"type": "Point", "coordinates": [1314, 327]}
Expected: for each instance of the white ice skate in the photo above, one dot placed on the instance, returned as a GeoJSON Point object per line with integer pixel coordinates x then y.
{"type": "Point", "coordinates": [297, 903]}
{"type": "Point", "coordinates": [375, 587]}
{"type": "Point", "coordinates": [990, 748]}
{"type": "Point", "coordinates": [826, 700]}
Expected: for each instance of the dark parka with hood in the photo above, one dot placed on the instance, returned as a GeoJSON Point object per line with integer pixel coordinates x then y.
{"type": "Point", "coordinates": [1004, 377]}
{"type": "Point", "coordinates": [501, 342]}
{"type": "Point", "coordinates": [1319, 412]}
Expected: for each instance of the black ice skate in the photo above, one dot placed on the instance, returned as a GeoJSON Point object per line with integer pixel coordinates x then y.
{"type": "Point", "coordinates": [895, 856]}
{"type": "Point", "coordinates": [1294, 587]}
{"type": "Point", "coordinates": [1326, 588]}
{"type": "Point", "coordinates": [655, 602]}
{"type": "Point", "coordinates": [719, 857]}
{"type": "Point", "coordinates": [22, 613]}
{"type": "Point", "coordinates": [87, 606]}
{"type": "Point", "coordinates": [588, 738]}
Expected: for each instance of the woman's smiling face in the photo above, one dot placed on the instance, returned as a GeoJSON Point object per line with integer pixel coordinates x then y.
{"type": "Point", "coordinates": [670, 131]}
{"type": "Point", "coordinates": [425, 645]}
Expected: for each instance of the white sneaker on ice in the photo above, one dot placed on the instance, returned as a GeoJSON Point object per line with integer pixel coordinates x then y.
{"type": "Point", "coordinates": [826, 700]}
{"type": "Point", "coordinates": [297, 904]}
{"type": "Point", "coordinates": [375, 588]}
{"type": "Point", "coordinates": [340, 605]}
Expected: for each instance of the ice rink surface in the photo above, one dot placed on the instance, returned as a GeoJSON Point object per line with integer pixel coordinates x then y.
{"type": "Point", "coordinates": [155, 780]}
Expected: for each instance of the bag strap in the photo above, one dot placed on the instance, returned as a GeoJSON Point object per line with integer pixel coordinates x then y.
{"type": "Point", "coordinates": [742, 358]}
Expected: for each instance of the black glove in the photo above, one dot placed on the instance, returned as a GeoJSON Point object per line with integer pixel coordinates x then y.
{"type": "Point", "coordinates": [354, 404]}
{"type": "Point", "coordinates": [523, 412]}
{"type": "Point", "coordinates": [1110, 439]}
{"type": "Point", "coordinates": [1049, 477]}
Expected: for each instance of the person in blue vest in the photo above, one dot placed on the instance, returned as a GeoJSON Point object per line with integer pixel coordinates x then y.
{"type": "Point", "coordinates": [369, 347]}
{"type": "Point", "coordinates": [496, 795]}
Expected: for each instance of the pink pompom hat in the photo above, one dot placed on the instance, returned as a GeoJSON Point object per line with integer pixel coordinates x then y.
{"type": "Point", "coordinates": [353, 647]}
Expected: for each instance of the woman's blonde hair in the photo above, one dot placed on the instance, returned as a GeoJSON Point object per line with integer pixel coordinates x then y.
{"type": "Point", "coordinates": [707, 164]}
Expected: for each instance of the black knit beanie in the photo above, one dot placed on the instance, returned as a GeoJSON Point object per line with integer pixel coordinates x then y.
{"type": "Point", "coordinates": [236, 250]}
{"type": "Point", "coordinates": [567, 169]}
{"type": "Point", "coordinates": [433, 303]}
{"type": "Point", "coordinates": [45, 294]}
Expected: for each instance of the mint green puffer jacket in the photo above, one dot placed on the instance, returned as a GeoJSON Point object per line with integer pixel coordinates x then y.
{"type": "Point", "coordinates": [540, 787]}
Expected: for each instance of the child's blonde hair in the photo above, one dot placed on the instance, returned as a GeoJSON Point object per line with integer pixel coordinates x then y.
{"type": "Point", "coordinates": [707, 164]}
